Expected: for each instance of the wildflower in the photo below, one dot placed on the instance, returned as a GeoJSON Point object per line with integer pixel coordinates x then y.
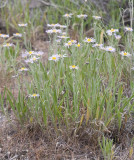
{"type": "Point", "coordinates": [34, 95]}
{"type": "Point", "coordinates": [73, 67]}
{"type": "Point", "coordinates": [110, 49]}
{"type": "Point", "coordinates": [89, 40]}
{"type": "Point", "coordinates": [50, 31]}
{"type": "Point", "coordinates": [54, 58]}
{"type": "Point", "coordinates": [73, 41]}
{"type": "Point", "coordinates": [23, 69]}
{"type": "Point", "coordinates": [97, 17]}
{"type": "Point", "coordinates": [68, 15]}
{"type": "Point", "coordinates": [39, 53]}
{"type": "Point", "coordinates": [22, 25]}
{"type": "Point", "coordinates": [128, 29]}
{"type": "Point", "coordinates": [32, 60]}
{"type": "Point", "coordinates": [68, 44]}
{"type": "Point", "coordinates": [28, 53]}
{"type": "Point", "coordinates": [53, 25]}
{"type": "Point", "coordinates": [111, 31]}
{"type": "Point", "coordinates": [62, 37]}
{"type": "Point", "coordinates": [4, 35]}
{"type": "Point", "coordinates": [97, 45]}
{"type": "Point", "coordinates": [7, 45]}
{"type": "Point", "coordinates": [123, 53]}
{"type": "Point", "coordinates": [17, 34]}
{"type": "Point", "coordinates": [117, 36]}
{"type": "Point", "coordinates": [82, 16]}
{"type": "Point", "coordinates": [78, 45]}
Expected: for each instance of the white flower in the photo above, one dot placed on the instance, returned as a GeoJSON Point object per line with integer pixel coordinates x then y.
{"type": "Point", "coordinates": [89, 40]}
{"type": "Point", "coordinates": [111, 31]}
{"type": "Point", "coordinates": [62, 37]}
{"type": "Point", "coordinates": [4, 35]}
{"type": "Point", "coordinates": [73, 67]}
{"type": "Point", "coordinates": [34, 95]}
{"type": "Point", "coordinates": [68, 15]}
{"type": "Point", "coordinates": [68, 44]}
{"type": "Point", "coordinates": [54, 57]}
{"type": "Point", "coordinates": [97, 45]}
{"type": "Point", "coordinates": [97, 17]}
{"type": "Point", "coordinates": [78, 45]}
{"type": "Point", "coordinates": [8, 45]}
{"type": "Point", "coordinates": [82, 16]}
{"type": "Point", "coordinates": [39, 53]}
{"type": "Point", "coordinates": [28, 53]}
{"type": "Point", "coordinates": [32, 60]}
{"type": "Point", "coordinates": [73, 41]}
{"type": "Point", "coordinates": [53, 31]}
{"type": "Point", "coordinates": [17, 34]}
{"type": "Point", "coordinates": [117, 36]}
{"type": "Point", "coordinates": [110, 49]}
{"type": "Point", "coordinates": [23, 69]}
{"type": "Point", "coordinates": [22, 25]}
{"type": "Point", "coordinates": [128, 29]}
{"type": "Point", "coordinates": [123, 53]}
{"type": "Point", "coordinates": [53, 25]}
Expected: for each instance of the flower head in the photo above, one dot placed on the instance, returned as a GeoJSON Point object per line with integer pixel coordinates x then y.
{"type": "Point", "coordinates": [128, 29]}
{"type": "Point", "coordinates": [68, 44]}
{"type": "Point", "coordinates": [111, 31]}
{"type": "Point", "coordinates": [97, 45]}
{"type": "Point", "coordinates": [28, 53]}
{"type": "Point", "coordinates": [97, 17]}
{"type": "Point", "coordinates": [54, 58]}
{"type": "Point", "coordinates": [89, 40]}
{"type": "Point", "coordinates": [78, 45]}
{"type": "Point", "coordinates": [123, 53]}
{"type": "Point", "coordinates": [82, 16]}
{"type": "Point", "coordinates": [22, 25]}
{"type": "Point", "coordinates": [110, 49]}
{"type": "Point", "coordinates": [8, 45]}
{"type": "Point", "coordinates": [53, 31]}
{"type": "Point", "coordinates": [62, 37]}
{"type": "Point", "coordinates": [53, 25]}
{"type": "Point", "coordinates": [34, 95]}
{"type": "Point", "coordinates": [32, 60]}
{"type": "Point", "coordinates": [4, 35]}
{"type": "Point", "coordinates": [73, 67]}
{"type": "Point", "coordinates": [23, 69]}
{"type": "Point", "coordinates": [17, 35]}
{"type": "Point", "coordinates": [68, 15]}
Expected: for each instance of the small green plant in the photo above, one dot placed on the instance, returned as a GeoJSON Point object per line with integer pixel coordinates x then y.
{"type": "Point", "coordinates": [107, 148]}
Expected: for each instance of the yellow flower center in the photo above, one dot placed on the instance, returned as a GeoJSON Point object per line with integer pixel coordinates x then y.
{"type": "Point", "coordinates": [110, 49]}
{"type": "Point", "coordinates": [30, 52]}
{"type": "Point", "coordinates": [89, 40]}
{"type": "Point", "coordinates": [69, 43]}
{"type": "Point", "coordinates": [125, 53]}
{"type": "Point", "coordinates": [78, 45]}
{"type": "Point", "coordinates": [34, 58]}
{"type": "Point", "coordinates": [54, 30]}
{"type": "Point", "coordinates": [17, 33]}
{"type": "Point", "coordinates": [34, 95]}
{"type": "Point", "coordinates": [62, 36]}
{"type": "Point", "coordinates": [73, 66]}
{"type": "Point", "coordinates": [67, 15]}
{"type": "Point", "coordinates": [22, 68]}
{"type": "Point", "coordinates": [112, 30]}
{"type": "Point", "coordinates": [8, 44]}
{"type": "Point", "coordinates": [53, 58]}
